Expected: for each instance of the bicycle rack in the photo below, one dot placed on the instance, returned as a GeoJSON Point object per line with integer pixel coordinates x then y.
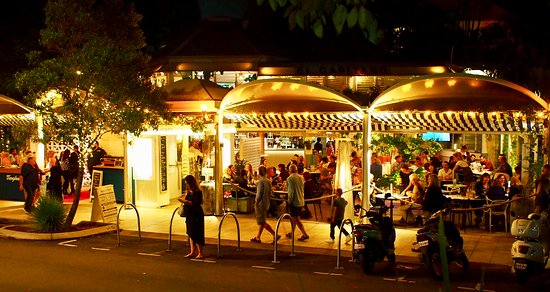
{"type": "Point", "coordinates": [340, 243]}
{"type": "Point", "coordinates": [170, 232]}
{"type": "Point", "coordinates": [118, 221]}
{"type": "Point", "coordinates": [285, 215]}
{"type": "Point", "coordinates": [220, 231]}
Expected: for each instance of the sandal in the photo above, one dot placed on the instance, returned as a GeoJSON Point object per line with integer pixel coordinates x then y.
{"type": "Point", "coordinates": [303, 238]}
{"type": "Point", "coordinates": [289, 235]}
{"type": "Point", "coordinates": [254, 239]}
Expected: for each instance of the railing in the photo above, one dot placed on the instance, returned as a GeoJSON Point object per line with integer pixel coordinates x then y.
{"type": "Point", "coordinates": [170, 229]}
{"type": "Point", "coordinates": [220, 232]}
{"type": "Point", "coordinates": [285, 215]}
{"type": "Point", "coordinates": [118, 221]}
{"type": "Point", "coordinates": [340, 242]}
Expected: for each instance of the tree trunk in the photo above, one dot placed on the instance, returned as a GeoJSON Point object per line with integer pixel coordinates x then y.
{"type": "Point", "coordinates": [76, 199]}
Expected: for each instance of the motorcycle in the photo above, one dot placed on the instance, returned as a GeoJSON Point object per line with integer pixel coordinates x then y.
{"type": "Point", "coordinates": [427, 244]}
{"type": "Point", "coordinates": [530, 250]}
{"type": "Point", "coordinates": [374, 241]}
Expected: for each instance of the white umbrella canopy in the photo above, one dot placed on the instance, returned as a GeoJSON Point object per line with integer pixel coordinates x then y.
{"type": "Point", "coordinates": [285, 96]}
{"type": "Point", "coordinates": [14, 113]}
{"type": "Point", "coordinates": [457, 92]}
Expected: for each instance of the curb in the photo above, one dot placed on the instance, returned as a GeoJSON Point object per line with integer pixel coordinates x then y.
{"type": "Point", "coordinates": [22, 235]}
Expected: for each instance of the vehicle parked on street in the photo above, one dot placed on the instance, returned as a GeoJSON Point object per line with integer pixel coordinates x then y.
{"type": "Point", "coordinates": [427, 243]}
{"type": "Point", "coordinates": [530, 250]}
{"type": "Point", "coordinates": [373, 241]}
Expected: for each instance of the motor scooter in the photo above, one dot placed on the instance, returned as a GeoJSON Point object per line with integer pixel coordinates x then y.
{"type": "Point", "coordinates": [530, 250]}
{"type": "Point", "coordinates": [427, 243]}
{"type": "Point", "coordinates": [374, 241]}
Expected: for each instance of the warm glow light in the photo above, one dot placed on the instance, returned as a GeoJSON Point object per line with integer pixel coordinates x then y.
{"type": "Point", "coordinates": [306, 114]}
{"type": "Point", "coordinates": [494, 113]}
{"type": "Point", "coordinates": [429, 83]}
{"type": "Point", "coordinates": [203, 107]}
{"type": "Point", "coordinates": [276, 86]}
{"type": "Point", "coordinates": [294, 86]}
{"type": "Point", "coordinates": [540, 114]}
{"type": "Point", "coordinates": [427, 113]}
{"type": "Point", "coordinates": [255, 115]}
{"type": "Point", "coordinates": [451, 82]}
{"type": "Point", "coordinates": [288, 114]}
{"type": "Point", "coordinates": [449, 113]}
{"type": "Point", "coordinates": [407, 111]}
{"type": "Point", "coordinates": [406, 87]}
{"type": "Point", "coordinates": [437, 69]}
{"type": "Point", "coordinates": [472, 114]}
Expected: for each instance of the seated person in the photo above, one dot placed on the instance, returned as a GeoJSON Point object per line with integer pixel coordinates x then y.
{"type": "Point", "coordinates": [404, 174]}
{"type": "Point", "coordinates": [229, 174]}
{"type": "Point", "coordinates": [497, 191]}
{"type": "Point", "coordinates": [487, 165]}
{"type": "Point", "coordinates": [283, 173]}
{"type": "Point", "coordinates": [516, 188]}
{"type": "Point", "coordinates": [311, 190]}
{"type": "Point", "coordinates": [242, 182]}
{"type": "Point", "coordinates": [326, 178]}
{"type": "Point", "coordinates": [433, 199]}
{"type": "Point", "coordinates": [415, 191]}
{"type": "Point", "coordinates": [445, 173]}
{"type": "Point", "coordinates": [482, 185]}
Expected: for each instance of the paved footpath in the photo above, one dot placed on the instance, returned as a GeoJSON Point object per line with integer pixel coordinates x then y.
{"type": "Point", "coordinates": [481, 246]}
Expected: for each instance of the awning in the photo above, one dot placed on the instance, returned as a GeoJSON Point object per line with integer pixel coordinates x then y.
{"type": "Point", "coordinates": [14, 113]}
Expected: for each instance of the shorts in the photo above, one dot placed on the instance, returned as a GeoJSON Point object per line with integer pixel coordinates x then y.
{"type": "Point", "coordinates": [261, 215]}
{"type": "Point", "coordinates": [295, 211]}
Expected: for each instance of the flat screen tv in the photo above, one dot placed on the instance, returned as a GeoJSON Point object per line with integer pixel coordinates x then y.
{"type": "Point", "coordinates": [440, 137]}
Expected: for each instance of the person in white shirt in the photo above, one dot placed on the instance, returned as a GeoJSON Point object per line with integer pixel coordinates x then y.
{"type": "Point", "coordinates": [445, 173]}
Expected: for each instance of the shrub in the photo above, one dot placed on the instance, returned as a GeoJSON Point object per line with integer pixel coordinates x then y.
{"type": "Point", "coordinates": [49, 214]}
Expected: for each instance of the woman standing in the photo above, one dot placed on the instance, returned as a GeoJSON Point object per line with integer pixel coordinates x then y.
{"type": "Point", "coordinates": [66, 172]}
{"type": "Point", "coordinates": [194, 217]}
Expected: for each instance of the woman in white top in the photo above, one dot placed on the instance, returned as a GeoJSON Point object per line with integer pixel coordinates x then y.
{"type": "Point", "coordinates": [445, 173]}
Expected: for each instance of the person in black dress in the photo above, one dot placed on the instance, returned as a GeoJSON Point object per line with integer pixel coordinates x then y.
{"type": "Point", "coordinates": [54, 186]}
{"type": "Point", "coordinates": [194, 217]}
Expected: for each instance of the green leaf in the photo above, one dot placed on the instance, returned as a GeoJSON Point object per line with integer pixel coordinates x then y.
{"type": "Point", "coordinates": [292, 20]}
{"type": "Point", "coordinates": [260, 2]}
{"type": "Point", "coordinates": [362, 19]}
{"type": "Point", "coordinates": [293, 2]}
{"type": "Point", "coordinates": [273, 4]}
{"type": "Point", "coordinates": [282, 3]}
{"type": "Point", "coordinates": [300, 19]}
{"type": "Point", "coordinates": [353, 15]}
{"type": "Point", "coordinates": [318, 28]}
{"type": "Point", "coordinates": [339, 18]}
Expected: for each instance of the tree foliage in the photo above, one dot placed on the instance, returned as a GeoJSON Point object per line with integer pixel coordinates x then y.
{"type": "Point", "coordinates": [91, 77]}
{"type": "Point", "coordinates": [317, 14]}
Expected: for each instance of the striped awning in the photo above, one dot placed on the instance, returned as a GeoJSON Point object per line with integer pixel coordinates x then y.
{"type": "Point", "coordinates": [14, 113]}
{"type": "Point", "coordinates": [453, 122]}
{"type": "Point", "coordinates": [21, 120]}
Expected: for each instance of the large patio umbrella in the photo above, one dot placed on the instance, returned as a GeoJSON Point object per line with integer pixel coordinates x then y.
{"type": "Point", "coordinates": [195, 95]}
{"type": "Point", "coordinates": [14, 113]}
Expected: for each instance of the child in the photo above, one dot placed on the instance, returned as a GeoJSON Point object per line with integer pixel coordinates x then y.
{"type": "Point", "coordinates": [338, 215]}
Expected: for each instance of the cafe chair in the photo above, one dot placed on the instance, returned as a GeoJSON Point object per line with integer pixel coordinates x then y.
{"type": "Point", "coordinates": [501, 210]}
{"type": "Point", "coordinates": [461, 212]}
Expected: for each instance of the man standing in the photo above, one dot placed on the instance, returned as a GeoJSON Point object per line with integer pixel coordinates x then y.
{"type": "Point", "coordinates": [542, 199]}
{"type": "Point", "coordinates": [95, 159]}
{"type": "Point", "coordinates": [318, 147]}
{"type": "Point", "coordinates": [261, 204]}
{"type": "Point", "coordinates": [29, 174]}
{"type": "Point", "coordinates": [396, 166]}
{"type": "Point", "coordinates": [295, 187]}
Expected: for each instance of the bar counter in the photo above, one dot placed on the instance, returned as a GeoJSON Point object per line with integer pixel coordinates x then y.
{"type": "Point", "coordinates": [9, 184]}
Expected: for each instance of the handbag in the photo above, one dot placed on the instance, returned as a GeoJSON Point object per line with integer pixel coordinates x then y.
{"type": "Point", "coordinates": [181, 209]}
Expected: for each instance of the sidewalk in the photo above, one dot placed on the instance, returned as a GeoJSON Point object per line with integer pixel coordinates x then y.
{"type": "Point", "coordinates": [481, 246]}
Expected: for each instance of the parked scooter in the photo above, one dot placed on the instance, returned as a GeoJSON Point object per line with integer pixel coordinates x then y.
{"type": "Point", "coordinates": [427, 243]}
{"type": "Point", "coordinates": [373, 241]}
{"type": "Point", "coordinates": [530, 250]}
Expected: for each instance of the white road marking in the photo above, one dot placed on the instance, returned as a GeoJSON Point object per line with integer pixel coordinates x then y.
{"type": "Point", "coordinates": [477, 288]}
{"type": "Point", "coordinates": [328, 274]}
{"type": "Point", "coordinates": [264, 267]}
{"type": "Point", "coordinates": [400, 280]}
{"type": "Point", "coordinates": [149, 254]}
{"type": "Point", "coordinates": [101, 248]}
{"type": "Point", "coordinates": [68, 245]}
{"type": "Point", "coordinates": [66, 242]}
{"type": "Point", "coordinates": [204, 261]}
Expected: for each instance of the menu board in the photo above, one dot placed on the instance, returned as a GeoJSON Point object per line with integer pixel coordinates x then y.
{"type": "Point", "coordinates": [107, 203]}
{"type": "Point", "coordinates": [163, 171]}
{"type": "Point", "coordinates": [97, 180]}
{"type": "Point", "coordinates": [251, 150]}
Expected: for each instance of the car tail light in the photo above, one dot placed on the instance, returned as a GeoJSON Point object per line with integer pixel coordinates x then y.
{"type": "Point", "coordinates": [357, 233]}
